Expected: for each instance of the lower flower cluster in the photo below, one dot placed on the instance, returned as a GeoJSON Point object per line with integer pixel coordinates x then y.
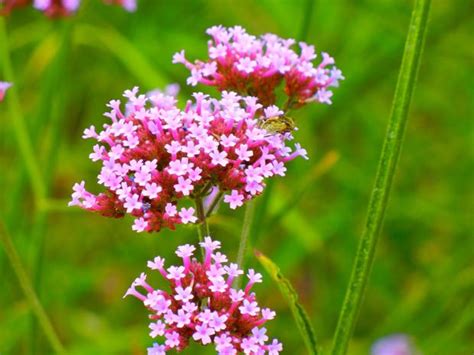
{"type": "Point", "coordinates": [203, 305]}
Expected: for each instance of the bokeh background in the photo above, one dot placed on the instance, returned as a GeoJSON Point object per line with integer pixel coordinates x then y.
{"type": "Point", "coordinates": [308, 223]}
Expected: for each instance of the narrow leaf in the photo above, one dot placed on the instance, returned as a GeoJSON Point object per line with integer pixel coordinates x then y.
{"type": "Point", "coordinates": [384, 178]}
{"type": "Point", "coordinates": [287, 290]}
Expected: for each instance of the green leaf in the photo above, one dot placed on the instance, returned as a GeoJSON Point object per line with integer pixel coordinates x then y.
{"type": "Point", "coordinates": [384, 178]}
{"type": "Point", "coordinates": [299, 313]}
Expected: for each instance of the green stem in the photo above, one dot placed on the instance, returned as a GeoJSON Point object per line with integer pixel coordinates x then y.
{"type": "Point", "coordinates": [29, 292]}
{"type": "Point", "coordinates": [202, 226]}
{"type": "Point", "coordinates": [214, 204]}
{"type": "Point", "coordinates": [384, 178]}
{"type": "Point", "coordinates": [19, 126]}
{"type": "Point", "coordinates": [244, 236]}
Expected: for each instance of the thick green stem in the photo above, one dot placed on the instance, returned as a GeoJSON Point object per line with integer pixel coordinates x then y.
{"type": "Point", "coordinates": [29, 292]}
{"type": "Point", "coordinates": [383, 181]}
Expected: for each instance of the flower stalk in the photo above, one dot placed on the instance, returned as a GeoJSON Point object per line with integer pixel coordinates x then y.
{"type": "Point", "coordinates": [384, 178]}
{"type": "Point", "coordinates": [244, 235]}
{"type": "Point", "coordinates": [203, 227]}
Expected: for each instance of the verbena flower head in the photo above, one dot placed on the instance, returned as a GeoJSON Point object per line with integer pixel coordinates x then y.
{"type": "Point", "coordinates": [156, 155]}
{"type": "Point", "coordinates": [58, 8]}
{"type": "Point", "coordinates": [398, 344]}
{"type": "Point", "coordinates": [4, 86]}
{"type": "Point", "coordinates": [201, 304]}
{"type": "Point", "coordinates": [256, 66]}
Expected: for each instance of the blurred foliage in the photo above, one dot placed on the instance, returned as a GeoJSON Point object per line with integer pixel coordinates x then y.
{"type": "Point", "coordinates": [422, 282]}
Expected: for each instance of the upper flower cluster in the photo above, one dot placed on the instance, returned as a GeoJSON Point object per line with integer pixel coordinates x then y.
{"type": "Point", "coordinates": [155, 155]}
{"type": "Point", "coordinates": [255, 66]}
{"type": "Point", "coordinates": [58, 8]}
{"type": "Point", "coordinates": [202, 304]}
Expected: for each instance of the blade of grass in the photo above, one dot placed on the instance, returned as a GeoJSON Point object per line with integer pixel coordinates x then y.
{"type": "Point", "coordinates": [19, 127]}
{"type": "Point", "coordinates": [384, 178]}
{"type": "Point", "coordinates": [52, 105]}
{"type": "Point", "coordinates": [299, 314]}
{"type": "Point", "coordinates": [28, 290]}
{"type": "Point", "coordinates": [47, 116]}
{"type": "Point", "coordinates": [124, 51]}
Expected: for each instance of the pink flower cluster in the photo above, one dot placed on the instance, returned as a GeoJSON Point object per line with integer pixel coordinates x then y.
{"type": "Point", "coordinates": [155, 155]}
{"type": "Point", "coordinates": [255, 66]}
{"type": "Point", "coordinates": [203, 305]}
{"type": "Point", "coordinates": [58, 8]}
{"type": "Point", "coordinates": [4, 86]}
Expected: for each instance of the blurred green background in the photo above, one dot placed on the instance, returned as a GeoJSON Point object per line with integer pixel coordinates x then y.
{"type": "Point", "coordinates": [309, 222]}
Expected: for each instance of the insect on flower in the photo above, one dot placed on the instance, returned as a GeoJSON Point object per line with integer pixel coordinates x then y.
{"type": "Point", "coordinates": [278, 124]}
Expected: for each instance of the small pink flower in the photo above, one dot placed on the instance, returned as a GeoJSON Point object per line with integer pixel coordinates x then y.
{"type": "Point", "coordinates": [157, 328]}
{"type": "Point", "coordinates": [187, 215]}
{"type": "Point", "coordinates": [139, 225]}
{"type": "Point", "coordinates": [156, 350]}
{"type": "Point", "coordinates": [4, 86]}
{"type": "Point", "coordinates": [234, 199]}
{"type": "Point", "coordinates": [203, 333]}
{"type": "Point", "coordinates": [184, 186]}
